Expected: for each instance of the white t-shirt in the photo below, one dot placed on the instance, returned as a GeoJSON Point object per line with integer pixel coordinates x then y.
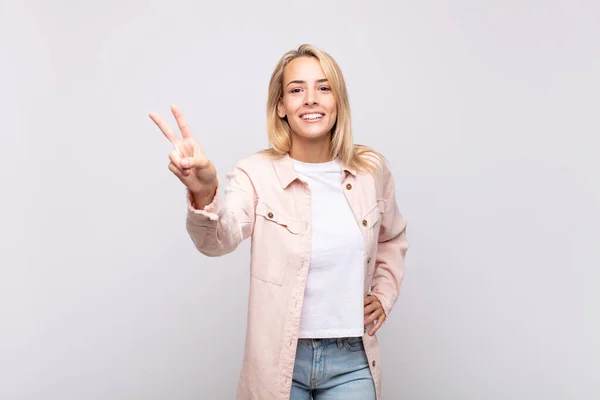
{"type": "Point", "coordinates": [333, 300]}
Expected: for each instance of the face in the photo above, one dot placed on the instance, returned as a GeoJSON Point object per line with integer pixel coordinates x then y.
{"type": "Point", "coordinates": [307, 100]}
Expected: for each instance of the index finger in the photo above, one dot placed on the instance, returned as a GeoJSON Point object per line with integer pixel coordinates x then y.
{"type": "Point", "coordinates": [184, 127]}
{"type": "Point", "coordinates": [164, 128]}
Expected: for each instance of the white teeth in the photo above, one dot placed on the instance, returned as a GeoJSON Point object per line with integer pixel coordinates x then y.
{"type": "Point", "coordinates": [312, 116]}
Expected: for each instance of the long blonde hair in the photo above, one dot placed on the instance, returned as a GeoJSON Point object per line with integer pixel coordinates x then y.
{"type": "Point", "coordinates": [358, 157]}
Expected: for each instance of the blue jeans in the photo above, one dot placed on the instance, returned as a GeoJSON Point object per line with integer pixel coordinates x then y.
{"type": "Point", "coordinates": [332, 369]}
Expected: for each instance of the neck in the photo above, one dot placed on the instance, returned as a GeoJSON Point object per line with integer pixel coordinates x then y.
{"type": "Point", "coordinates": [311, 151]}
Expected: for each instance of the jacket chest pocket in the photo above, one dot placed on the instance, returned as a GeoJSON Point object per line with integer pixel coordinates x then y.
{"type": "Point", "coordinates": [372, 218]}
{"type": "Point", "coordinates": [276, 236]}
{"type": "Point", "coordinates": [372, 223]}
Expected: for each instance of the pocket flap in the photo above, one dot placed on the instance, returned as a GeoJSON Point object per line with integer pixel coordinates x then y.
{"type": "Point", "coordinates": [374, 214]}
{"type": "Point", "coordinates": [270, 214]}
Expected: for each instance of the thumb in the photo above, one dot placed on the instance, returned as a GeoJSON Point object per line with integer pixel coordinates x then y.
{"type": "Point", "coordinates": [198, 161]}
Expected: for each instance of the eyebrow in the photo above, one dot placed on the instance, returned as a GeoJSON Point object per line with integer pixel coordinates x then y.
{"type": "Point", "coordinates": [303, 82]}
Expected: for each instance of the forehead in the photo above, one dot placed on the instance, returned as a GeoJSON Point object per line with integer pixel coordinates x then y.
{"type": "Point", "coordinates": [303, 68]}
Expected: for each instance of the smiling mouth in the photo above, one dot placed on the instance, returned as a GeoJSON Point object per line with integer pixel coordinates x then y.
{"type": "Point", "coordinates": [312, 116]}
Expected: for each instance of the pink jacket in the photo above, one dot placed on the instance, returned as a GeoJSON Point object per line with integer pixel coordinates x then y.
{"type": "Point", "coordinates": [265, 200]}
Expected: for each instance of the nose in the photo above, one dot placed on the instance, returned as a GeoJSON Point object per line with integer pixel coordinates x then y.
{"type": "Point", "coordinates": [310, 99]}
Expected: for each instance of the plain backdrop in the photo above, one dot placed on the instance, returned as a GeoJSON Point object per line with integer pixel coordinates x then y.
{"type": "Point", "coordinates": [487, 110]}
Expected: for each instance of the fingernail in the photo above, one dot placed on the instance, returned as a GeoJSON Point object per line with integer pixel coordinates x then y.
{"type": "Point", "coordinates": [184, 163]}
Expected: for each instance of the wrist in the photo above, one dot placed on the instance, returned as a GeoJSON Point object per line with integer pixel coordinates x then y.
{"type": "Point", "coordinates": [203, 198]}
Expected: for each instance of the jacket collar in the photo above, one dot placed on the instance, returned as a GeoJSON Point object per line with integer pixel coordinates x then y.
{"type": "Point", "coordinates": [287, 174]}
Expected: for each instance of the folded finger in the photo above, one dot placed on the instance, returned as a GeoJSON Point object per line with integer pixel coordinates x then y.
{"type": "Point", "coordinates": [175, 157]}
{"type": "Point", "coordinates": [374, 315]}
{"type": "Point", "coordinates": [173, 168]}
{"type": "Point", "coordinates": [183, 172]}
{"type": "Point", "coordinates": [370, 299]}
{"type": "Point", "coordinates": [370, 308]}
{"type": "Point", "coordinates": [199, 162]}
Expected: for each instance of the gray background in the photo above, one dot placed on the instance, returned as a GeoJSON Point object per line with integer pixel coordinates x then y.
{"type": "Point", "coordinates": [488, 112]}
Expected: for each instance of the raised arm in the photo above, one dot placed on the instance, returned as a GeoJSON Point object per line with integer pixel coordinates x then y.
{"type": "Point", "coordinates": [215, 224]}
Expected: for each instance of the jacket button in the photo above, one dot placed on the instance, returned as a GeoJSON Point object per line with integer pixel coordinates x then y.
{"type": "Point", "coordinates": [364, 222]}
{"type": "Point", "coordinates": [373, 363]}
{"type": "Point", "coordinates": [348, 186]}
{"type": "Point", "coordinates": [270, 215]}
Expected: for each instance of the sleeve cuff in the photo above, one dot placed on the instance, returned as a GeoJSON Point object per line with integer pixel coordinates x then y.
{"type": "Point", "coordinates": [210, 211]}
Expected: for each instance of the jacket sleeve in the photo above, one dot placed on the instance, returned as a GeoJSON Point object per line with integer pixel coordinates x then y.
{"type": "Point", "coordinates": [391, 251]}
{"type": "Point", "coordinates": [222, 225]}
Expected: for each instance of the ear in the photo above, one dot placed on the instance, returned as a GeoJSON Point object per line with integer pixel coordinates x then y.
{"type": "Point", "coordinates": [280, 109]}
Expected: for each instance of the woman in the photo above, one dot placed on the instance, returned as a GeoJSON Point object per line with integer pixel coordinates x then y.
{"type": "Point", "coordinates": [328, 241]}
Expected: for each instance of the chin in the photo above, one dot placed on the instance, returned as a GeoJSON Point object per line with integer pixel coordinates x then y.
{"type": "Point", "coordinates": [312, 134]}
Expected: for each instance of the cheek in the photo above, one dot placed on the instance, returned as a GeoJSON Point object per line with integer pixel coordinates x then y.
{"type": "Point", "coordinates": [332, 108]}
{"type": "Point", "coordinates": [292, 103]}
{"type": "Point", "coordinates": [333, 113]}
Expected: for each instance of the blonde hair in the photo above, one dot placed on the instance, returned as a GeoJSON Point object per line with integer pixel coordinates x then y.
{"type": "Point", "coordinates": [357, 157]}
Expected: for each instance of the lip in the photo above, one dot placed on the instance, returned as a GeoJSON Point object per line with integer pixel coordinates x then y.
{"type": "Point", "coordinates": [312, 121]}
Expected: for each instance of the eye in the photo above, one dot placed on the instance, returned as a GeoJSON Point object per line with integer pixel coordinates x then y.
{"type": "Point", "coordinates": [325, 88]}
{"type": "Point", "coordinates": [295, 90]}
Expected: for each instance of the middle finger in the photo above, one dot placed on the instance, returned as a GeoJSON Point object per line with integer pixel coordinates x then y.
{"type": "Point", "coordinates": [184, 127]}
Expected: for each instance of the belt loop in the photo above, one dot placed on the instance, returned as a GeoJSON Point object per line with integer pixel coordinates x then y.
{"type": "Point", "coordinates": [340, 343]}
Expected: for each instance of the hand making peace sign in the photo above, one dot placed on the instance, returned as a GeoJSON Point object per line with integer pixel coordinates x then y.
{"type": "Point", "coordinates": [187, 161]}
